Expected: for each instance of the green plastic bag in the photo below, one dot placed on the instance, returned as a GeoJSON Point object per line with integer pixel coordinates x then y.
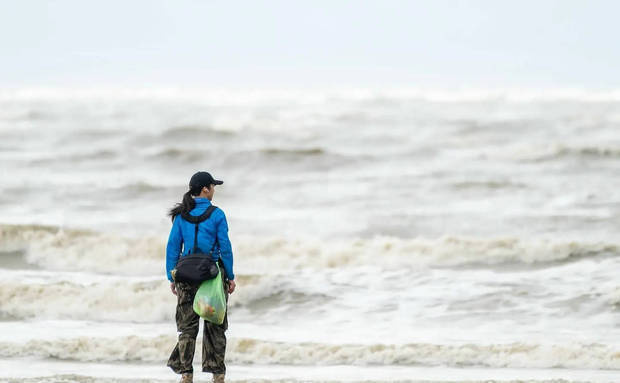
{"type": "Point", "coordinates": [210, 300]}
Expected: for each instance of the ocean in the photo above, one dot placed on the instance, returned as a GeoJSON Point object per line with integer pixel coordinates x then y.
{"type": "Point", "coordinates": [378, 235]}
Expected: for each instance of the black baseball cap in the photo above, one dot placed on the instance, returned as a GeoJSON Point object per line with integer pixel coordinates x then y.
{"type": "Point", "coordinates": [202, 179]}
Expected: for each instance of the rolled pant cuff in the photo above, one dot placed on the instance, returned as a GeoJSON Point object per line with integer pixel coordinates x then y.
{"type": "Point", "coordinates": [205, 369]}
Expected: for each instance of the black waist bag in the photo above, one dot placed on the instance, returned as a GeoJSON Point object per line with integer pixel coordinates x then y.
{"type": "Point", "coordinates": [196, 267]}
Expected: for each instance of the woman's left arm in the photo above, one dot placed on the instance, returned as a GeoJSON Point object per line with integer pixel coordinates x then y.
{"type": "Point", "coordinates": [225, 247]}
{"type": "Point", "coordinates": [173, 249]}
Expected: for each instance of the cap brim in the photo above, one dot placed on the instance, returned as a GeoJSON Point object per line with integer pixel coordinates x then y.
{"type": "Point", "coordinates": [217, 182]}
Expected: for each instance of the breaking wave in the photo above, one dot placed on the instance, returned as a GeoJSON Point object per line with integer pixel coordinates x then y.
{"type": "Point", "coordinates": [184, 155]}
{"type": "Point", "coordinates": [253, 351]}
{"type": "Point", "coordinates": [441, 252]}
{"type": "Point", "coordinates": [119, 299]}
{"type": "Point", "coordinates": [294, 152]}
{"type": "Point", "coordinates": [193, 132]}
{"type": "Point", "coordinates": [614, 299]}
{"type": "Point", "coordinates": [72, 159]}
{"type": "Point", "coordinates": [67, 249]}
{"type": "Point", "coordinates": [559, 152]}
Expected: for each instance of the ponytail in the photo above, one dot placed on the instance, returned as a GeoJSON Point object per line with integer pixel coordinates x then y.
{"type": "Point", "coordinates": [186, 205]}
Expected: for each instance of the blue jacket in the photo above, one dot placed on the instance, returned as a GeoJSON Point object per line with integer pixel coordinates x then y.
{"type": "Point", "coordinates": [182, 237]}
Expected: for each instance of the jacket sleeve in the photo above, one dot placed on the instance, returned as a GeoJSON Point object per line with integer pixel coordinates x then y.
{"type": "Point", "coordinates": [173, 249]}
{"type": "Point", "coordinates": [225, 247]}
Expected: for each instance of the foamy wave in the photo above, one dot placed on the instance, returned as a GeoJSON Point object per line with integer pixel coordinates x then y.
{"type": "Point", "coordinates": [389, 251]}
{"type": "Point", "coordinates": [294, 152]}
{"type": "Point", "coordinates": [68, 249]}
{"type": "Point", "coordinates": [130, 348]}
{"type": "Point", "coordinates": [252, 351]}
{"type": "Point", "coordinates": [564, 151]}
{"type": "Point", "coordinates": [129, 301]}
{"type": "Point", "coordinates": [69, 159]}
{"type": "Point", "coordinates": [118, 301]}
{"type": "Point", "coordinates": [187, 155]}
{"type": "Point", "coordinates": [614, 299]}
{"type": "Point", "coordinates": [56, 248]}
{"type": "Point", "coordinates": [194, 132]}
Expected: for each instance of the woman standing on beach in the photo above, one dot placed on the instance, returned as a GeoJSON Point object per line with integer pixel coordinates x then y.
{"type": "Point", "coordinates": [212, 234]}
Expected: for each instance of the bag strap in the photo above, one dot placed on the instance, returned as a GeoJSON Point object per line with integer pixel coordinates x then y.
{"type": "Point", "coordinates": [196, 221]}
{"type": "Point", "coordinates": [196, 240]}
{"type": "Point", "coordinates": [199, 218]}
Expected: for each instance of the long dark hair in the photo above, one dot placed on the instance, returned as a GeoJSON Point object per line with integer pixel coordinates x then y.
{"type": "Point", "coordinates": [187, 203]}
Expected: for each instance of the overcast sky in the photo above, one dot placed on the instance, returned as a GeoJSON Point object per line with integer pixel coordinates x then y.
{"type": "Point", "coordinates": [430, 43]}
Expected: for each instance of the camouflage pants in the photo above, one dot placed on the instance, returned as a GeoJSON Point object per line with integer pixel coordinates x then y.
{"type": "Point", "coordinates": [213, 335]}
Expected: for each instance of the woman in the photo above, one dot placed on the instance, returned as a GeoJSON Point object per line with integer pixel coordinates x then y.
{"type": "Point", "coordinates": [212, 233]}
